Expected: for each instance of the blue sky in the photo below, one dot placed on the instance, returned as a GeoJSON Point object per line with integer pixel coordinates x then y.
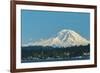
{"type": "Point", "coordinates": [44, 24]}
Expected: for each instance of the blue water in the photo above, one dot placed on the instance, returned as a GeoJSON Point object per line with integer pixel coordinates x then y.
{"type": "Point", "coordinates": [36, 59]}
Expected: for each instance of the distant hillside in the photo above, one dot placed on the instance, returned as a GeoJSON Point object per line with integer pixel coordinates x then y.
{"type": "Point", "coordinates": [49, 53]}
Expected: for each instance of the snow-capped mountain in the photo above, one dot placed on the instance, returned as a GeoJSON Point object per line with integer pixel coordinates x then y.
{"type": "Point", "coordinates": [64, 38]}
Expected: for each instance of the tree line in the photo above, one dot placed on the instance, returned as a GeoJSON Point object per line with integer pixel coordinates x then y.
{"type": "Point", "coordinates": [54, 52]}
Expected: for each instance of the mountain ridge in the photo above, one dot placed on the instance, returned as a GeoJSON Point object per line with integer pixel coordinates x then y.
{"type": "Point", "coordinates": [64, 38]}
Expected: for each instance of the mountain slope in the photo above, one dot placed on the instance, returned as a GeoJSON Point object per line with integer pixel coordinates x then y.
{"type": "Point", "coordinates": [64, 38]}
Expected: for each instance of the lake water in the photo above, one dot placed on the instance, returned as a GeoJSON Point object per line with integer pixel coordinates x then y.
{"type": "Point", "coordinates": [49, 59]}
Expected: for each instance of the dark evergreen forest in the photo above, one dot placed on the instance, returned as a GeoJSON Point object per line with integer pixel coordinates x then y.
{"type": "Point", "coordinates": [48, 53]}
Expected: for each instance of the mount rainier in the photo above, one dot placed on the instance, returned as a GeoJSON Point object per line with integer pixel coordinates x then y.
{"type": "Point", "coordinates": [64, 38]}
